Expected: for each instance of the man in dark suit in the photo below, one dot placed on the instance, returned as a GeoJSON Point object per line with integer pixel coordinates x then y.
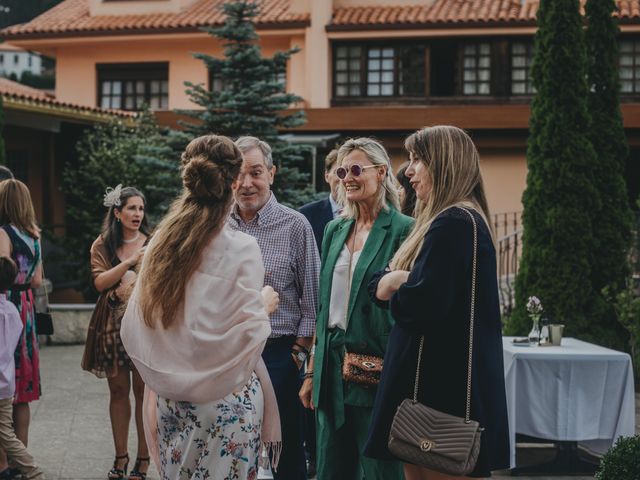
{"type": "Point", "coordinates": [321, 212]}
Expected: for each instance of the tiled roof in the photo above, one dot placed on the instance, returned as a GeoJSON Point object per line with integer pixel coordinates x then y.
{"type": "Point", "coordinates": [72, 17]}
{"type": "Point", "coordinates": [448, 12]}
{"type": "Point", "coordinates": [9, 87]}
{"type": "Point", "coordinates": [16, 93]}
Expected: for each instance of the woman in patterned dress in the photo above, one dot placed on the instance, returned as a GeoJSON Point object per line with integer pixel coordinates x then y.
{"type": "Point", "coordinates": [20, 240]}
{"type": "Point", "coordinates": [114, 256]}
{"type": "Point", "coordinates": [195, 327]}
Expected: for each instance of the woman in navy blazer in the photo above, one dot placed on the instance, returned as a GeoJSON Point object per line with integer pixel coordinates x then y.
{"type": "Point", "coordinates": [428, 291]}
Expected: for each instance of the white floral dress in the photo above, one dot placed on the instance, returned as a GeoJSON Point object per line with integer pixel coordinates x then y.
{"type": "Point", "coordinates": [219, 440]}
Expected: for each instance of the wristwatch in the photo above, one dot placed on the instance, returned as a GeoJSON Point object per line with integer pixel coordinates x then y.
{"type": "Point", "coordinates": [300, 355]}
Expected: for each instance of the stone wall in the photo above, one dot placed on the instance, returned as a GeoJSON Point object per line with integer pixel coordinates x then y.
{"type": "Point", "coordinates": [70, 323]}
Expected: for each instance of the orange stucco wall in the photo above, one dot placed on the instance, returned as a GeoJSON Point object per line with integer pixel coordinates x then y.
{"type": "Point", "coordinates": [76, 79]}
{"type": "Point", "coordinates": [505, 177]}
{"type": "Point", "coordinates": [504, 172]}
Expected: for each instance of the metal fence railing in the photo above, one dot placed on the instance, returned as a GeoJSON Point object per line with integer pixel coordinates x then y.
{"type": "Point", "coordinates": [508, 230]}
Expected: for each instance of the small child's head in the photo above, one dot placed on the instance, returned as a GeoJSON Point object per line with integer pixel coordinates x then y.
{"type": "Point", "coordinates": [8, 272]}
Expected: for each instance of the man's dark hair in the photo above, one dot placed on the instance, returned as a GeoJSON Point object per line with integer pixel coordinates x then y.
{"type": "Point", "coordinates": [8, 272]}
{"type": "Point", "coordinates": [5, 173]}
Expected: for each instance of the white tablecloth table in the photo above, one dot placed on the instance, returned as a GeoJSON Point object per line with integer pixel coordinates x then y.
{"type": "Point", "coordinates": [576, 392]}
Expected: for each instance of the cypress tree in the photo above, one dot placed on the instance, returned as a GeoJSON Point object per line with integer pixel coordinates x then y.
{"type": "Point", "coordinates": [612, 221]}
{"type": "Point", "coordinates": [557, 240]}
{"type": "Point", "coordinates": [247, 98]}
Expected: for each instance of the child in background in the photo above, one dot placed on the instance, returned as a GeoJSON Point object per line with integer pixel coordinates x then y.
{"type": "Point", "coordinates": [10, 331]}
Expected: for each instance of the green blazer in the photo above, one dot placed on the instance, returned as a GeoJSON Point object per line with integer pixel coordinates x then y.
{"type": "Point", "coordinates": [368, 325]}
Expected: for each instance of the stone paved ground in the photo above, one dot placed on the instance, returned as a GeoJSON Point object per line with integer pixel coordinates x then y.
{"type": "Point", "coordinates": [70, 433]}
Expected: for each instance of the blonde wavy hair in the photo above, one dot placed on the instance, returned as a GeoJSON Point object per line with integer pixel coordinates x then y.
{"type": "Point", "coordinates": [210, 164]}
{"type": "Point", "coordinates": [453, 163]}
{"type": "Point", "coordinates": [388, 193]}
{"type": "Point", "coordinates": [16, 207]}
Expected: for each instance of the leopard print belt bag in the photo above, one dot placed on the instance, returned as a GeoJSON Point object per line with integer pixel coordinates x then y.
{"type": "Point", "coordinates": [361, 369]}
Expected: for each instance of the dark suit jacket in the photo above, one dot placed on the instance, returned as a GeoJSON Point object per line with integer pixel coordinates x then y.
{"type": "Point", "coordinates": [318, 213]}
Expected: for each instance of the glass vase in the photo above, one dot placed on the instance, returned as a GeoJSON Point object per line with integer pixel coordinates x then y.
{"type": "Point", "coordinates": [534, 334]}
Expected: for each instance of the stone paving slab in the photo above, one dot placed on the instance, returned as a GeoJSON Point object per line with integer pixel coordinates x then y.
{"type": "Point", "coordinates": [70, 433]}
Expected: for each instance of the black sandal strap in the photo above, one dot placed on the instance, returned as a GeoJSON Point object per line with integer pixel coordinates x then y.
{"type": "Point", "coordinates": [119, 473]}
{"type": "Point", "coordinates": [135, 473]}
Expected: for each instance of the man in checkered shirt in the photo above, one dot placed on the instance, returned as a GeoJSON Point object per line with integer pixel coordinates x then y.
{"type": "Point", "coordinates": [292, 267]}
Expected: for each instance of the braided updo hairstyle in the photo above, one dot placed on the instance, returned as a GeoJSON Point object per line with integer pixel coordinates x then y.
{"type": "Point", "coordinates": [210, 165]}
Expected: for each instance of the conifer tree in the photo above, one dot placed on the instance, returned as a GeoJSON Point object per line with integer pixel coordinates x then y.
{"type": "Point", "coordinates": [247, 98]}
{"type": "Point", "coordinates": [612, 221]}
{"type": "Point", "coordinates": [557, 241]}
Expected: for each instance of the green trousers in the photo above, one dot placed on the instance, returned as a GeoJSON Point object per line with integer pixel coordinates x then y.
{"type": "Point", "coordinates": [341, 430]}
{"type": "Point", "coordinates": [339, 452]}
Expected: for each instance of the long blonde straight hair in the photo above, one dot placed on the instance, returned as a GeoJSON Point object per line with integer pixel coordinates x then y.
{"type": "Point", "coordinates": [211, 164]}
{"type": "Point", "coordinates": [387, 193]}
{"type": "Point", "coordinates": [453, 164]}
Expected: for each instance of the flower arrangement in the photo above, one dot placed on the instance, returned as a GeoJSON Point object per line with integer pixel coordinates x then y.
{"type": "Point", "coordinates": [534, 308]}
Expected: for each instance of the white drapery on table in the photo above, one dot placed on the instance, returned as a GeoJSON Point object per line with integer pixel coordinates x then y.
{"type": "Point", "coordinates": [576, 392]}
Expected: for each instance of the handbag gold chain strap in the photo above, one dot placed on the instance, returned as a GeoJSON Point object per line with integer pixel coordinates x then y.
{"type": "Point", "coordinates": [467, 414]}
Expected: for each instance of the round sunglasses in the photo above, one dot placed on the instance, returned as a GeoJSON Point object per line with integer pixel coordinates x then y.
{"type": "Point", "coordinates": [355, 169]}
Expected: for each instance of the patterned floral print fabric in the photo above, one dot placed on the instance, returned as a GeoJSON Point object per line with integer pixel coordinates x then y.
{"type": "Point", "coordinates": [104, 354]}
{"type": "Point", "coordinates": [26, 254]}
{"type": "Point", "coordinates": [218, 440]}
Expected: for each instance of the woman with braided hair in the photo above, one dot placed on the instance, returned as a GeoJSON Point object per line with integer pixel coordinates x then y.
{"type": "Point", "coordinates": [196, 325]}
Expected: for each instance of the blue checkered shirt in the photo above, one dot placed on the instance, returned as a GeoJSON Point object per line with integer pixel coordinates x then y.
{"type": "Point", "coordinates": [291, 262]}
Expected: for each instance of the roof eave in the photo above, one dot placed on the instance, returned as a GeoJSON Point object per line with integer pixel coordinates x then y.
{"type": "Point", "coordinates": [430, 25]}
{"type": "Point", "coordinates": [142, 31]}
{"type": "Point", "coordinates": [62, 111]}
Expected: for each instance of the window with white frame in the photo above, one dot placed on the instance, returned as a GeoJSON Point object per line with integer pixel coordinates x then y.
{"type": "Point", "coordinates": [378, 71]}
{"type": "Point", "coordinates": [629, 66]}
{"type": "Point", "coordinates": [131, 86]}
{"type": "Point", "coordinates": [476, 69]}
{"type": "Point", "coordinates": [521, 60]}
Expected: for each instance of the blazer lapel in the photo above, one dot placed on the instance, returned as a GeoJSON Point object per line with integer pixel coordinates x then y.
{"type": "Point", "coordinates": [369, 252]}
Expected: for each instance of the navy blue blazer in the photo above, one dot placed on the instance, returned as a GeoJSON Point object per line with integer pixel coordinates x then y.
{"type": "Point", "coordinates": [318, 213]}
{"type": "Point", "coordinates": [435, 302]}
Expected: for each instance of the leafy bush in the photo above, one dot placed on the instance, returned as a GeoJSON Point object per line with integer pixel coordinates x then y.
{"type": "Point", "coordinates": [143, 155]}
{"type": "Point", "coordinates": [626, 302]}
{"type": "Point", "coordinates": [622, 461]}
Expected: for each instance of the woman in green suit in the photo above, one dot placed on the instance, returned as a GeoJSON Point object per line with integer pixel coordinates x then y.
{"type": "Point", "coordinates": [356, 245]}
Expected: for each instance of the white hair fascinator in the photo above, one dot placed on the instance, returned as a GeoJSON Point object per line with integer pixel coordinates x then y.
{"type": "Point", "coordinates": [112, 196]}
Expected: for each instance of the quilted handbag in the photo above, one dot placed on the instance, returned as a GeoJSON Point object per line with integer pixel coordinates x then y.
{"type": "Point", "coordinates": [436, 440]}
